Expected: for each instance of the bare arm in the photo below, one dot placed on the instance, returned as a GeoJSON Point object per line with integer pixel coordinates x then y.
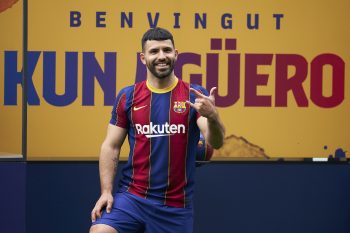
{"type": "Point", "coordinates": [209, 123]}
{"type": "Point", "coordinates": [109, 158]}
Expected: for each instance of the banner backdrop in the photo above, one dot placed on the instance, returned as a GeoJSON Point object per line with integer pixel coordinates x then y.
{"type": "Point", "coordinates": [280, 68]}
{"type": "Point", "coordinates": [11, 17]}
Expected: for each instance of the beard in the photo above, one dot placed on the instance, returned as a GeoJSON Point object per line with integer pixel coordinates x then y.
{"type": "Point", "coordinates": [161, 72]}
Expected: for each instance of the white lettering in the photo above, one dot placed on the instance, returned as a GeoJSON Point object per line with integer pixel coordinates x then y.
{"type": "Point", "coordinates": [145, 129]}
{"type": "Point", "coordinates": [167, 127]}
{"type": "Point", "coordinates": [160, 129]}
{"type": "Point", "coordinates": [173, 128]}
{"type": "Point", "coordinates": [181, 128]}
{"type": "Point", "coordinates": [153, 130]}
{"type": "Point", "coordinates": [138, 128]}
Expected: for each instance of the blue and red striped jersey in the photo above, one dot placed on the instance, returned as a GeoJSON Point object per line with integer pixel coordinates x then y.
{"type": "Point", "coordinates": [163, 137]}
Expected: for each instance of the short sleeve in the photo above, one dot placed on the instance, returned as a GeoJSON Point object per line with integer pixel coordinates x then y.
{"type": "Point", "coordinates": [119, 114]}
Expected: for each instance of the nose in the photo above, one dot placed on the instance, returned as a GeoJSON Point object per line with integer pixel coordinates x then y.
{"type": "Point", "coordinates": [161, 55]}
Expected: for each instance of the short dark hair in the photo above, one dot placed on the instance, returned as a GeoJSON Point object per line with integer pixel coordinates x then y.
{"type": "Point", "coordinates": [156, 34]}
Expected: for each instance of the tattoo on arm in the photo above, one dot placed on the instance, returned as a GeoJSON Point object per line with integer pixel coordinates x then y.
{"type": "Point", "coordinates": [115, 160]}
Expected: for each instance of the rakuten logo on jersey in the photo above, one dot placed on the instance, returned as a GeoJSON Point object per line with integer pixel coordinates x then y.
{"type": "Point", "coordinates": [152, 131]}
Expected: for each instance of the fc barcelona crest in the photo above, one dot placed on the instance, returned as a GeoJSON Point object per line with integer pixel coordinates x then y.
{"type": "Point", "coordinates": [179, 106]}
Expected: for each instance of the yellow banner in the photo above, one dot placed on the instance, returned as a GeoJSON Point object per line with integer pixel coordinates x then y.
{"type": "Point", "coordinates": [11, 17]}
{"type": "Point", "coordinates": [280, 68]}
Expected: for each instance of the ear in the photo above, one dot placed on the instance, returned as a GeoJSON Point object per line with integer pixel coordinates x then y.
{"type": "Point", "coordinates": [142, 58]}
{"type": "Point", "coordinates": [176, 54]}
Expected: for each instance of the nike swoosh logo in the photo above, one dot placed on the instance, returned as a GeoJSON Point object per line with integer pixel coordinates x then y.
{"type": "Point", "coordinates": [138, 108]}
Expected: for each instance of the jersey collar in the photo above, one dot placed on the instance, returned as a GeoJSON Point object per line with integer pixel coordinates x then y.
{"type": "Point", "coordinates": [162, 90]}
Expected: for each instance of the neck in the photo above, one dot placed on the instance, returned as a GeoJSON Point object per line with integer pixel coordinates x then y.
{"type": "Point", "coordinates": [161, 83]}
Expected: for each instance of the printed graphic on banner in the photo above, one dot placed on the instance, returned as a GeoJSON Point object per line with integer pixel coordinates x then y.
{"type": "Point", "coordinates": [10, 116]}
{"type": "Point", "coordinates": [280, 69]}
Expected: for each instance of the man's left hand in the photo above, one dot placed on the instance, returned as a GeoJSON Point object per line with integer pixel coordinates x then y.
{"type": "Point", "coordinates": [205, 105]}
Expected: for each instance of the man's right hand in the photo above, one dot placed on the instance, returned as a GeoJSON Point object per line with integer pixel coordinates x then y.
{"type": "Point", "coordinates": [105, 200]}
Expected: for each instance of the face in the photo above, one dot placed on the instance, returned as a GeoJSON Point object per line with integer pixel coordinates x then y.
{"type": "Point", "coordinates": [159, 57]}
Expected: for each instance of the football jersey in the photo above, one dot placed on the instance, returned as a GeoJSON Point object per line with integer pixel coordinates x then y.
{"type": "Point", "coordinates": [163, 137]}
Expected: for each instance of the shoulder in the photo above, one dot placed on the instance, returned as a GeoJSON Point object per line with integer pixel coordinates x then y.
{"type": "Point", "coordinates": [124, 95]}
{"type": "Point", "coordinates": [127, 89]}
{"type": "Point", "coordinates": [199, 88]}
{"type": "Point", "coordinates": [194, 86]}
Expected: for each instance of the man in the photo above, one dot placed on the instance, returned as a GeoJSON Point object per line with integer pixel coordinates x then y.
{"type": "Point", "coordinates": [163, 117]}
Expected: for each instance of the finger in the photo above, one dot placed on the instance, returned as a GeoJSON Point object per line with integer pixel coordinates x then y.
{"type": "Point", "coordinates": [109, 206]}
{"type": "Point", "coordinates": [212, 91]}
{"type": "Point", "coordinates": [192, 105]}
{"type": "Point", "coordinates": [198, 94]}
{"type": "Point", "coordinates": [198, 100]}
{"type": "Point", "coordinates": [98, 210]}
{"type": "Point", "coordinates": [93, 215]}
{"type": "Point", "coordinates": [98, 213]}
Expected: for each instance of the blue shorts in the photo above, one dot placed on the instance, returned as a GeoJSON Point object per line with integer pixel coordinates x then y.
{"type": "Point", "coordinates": [133, 214]}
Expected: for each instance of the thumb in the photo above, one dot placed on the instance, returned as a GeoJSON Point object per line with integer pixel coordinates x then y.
{"type": "Point", "coordinates": [212, 91]}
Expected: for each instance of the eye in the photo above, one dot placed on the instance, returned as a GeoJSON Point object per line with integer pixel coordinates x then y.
{"type": "Point", "coordinates": [167, 50]}
{"type": "Point", "coordinates": [153, 51]}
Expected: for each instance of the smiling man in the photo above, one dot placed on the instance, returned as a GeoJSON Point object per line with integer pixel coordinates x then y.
{"type": "Point", "coordinates": [162, 117]}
